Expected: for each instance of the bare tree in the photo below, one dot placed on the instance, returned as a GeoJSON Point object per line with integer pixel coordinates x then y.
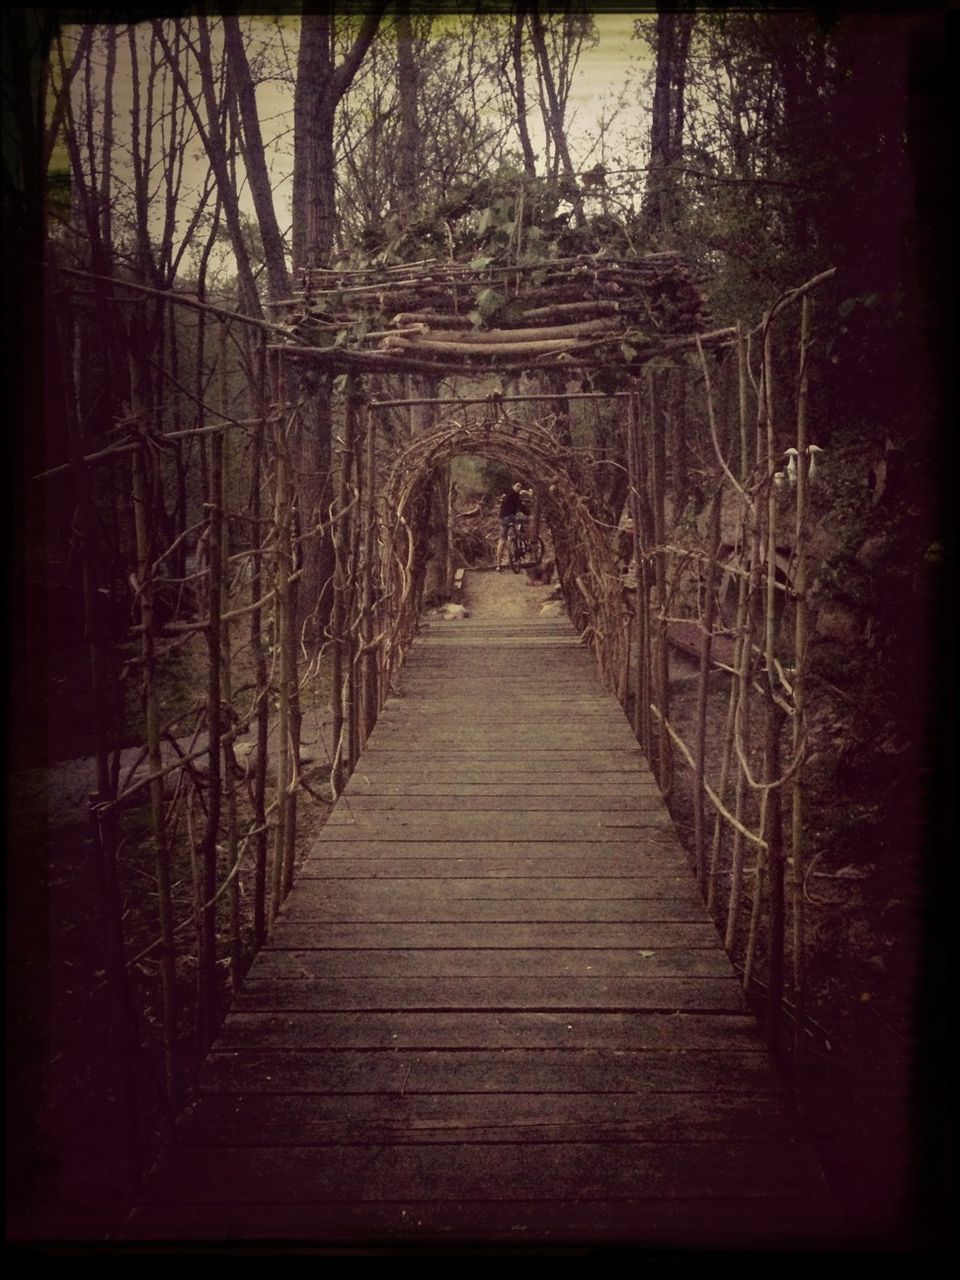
{"type": "Point", "coordinates": [321, 84]}
{"type": "Point", "coordinates": [672, 45]}
{"type": "Point", "coordinates": [254, 159]}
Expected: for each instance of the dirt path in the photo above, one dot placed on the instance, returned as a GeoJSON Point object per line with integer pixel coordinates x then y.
{"type": "Point", "coordinates": [489, 595]}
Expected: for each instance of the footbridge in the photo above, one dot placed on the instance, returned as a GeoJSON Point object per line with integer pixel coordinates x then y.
{"type": "Point", "coordinates": [494, 1006]}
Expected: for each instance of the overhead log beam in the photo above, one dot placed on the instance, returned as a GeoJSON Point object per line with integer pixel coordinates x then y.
{"type": "Point", "coordinates": [584, 312]}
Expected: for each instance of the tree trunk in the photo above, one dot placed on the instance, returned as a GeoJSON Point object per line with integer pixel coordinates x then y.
{"type": "Point", "coordinates": [673, 32]}
{"type": "Point", "coordinates": [254, 159]}
{"type": "Point", "coordinates": [408, 89]}
{"type": "Point", "coordinates": [320, 86]}
{"type": "Point", "coordinates": [554, 111]}
{"type": "Point", "coordinates": [520, 98]}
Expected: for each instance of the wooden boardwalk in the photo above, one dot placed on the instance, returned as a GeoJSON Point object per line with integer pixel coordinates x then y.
{"type": "Point", "coordinates": [495, 1007]}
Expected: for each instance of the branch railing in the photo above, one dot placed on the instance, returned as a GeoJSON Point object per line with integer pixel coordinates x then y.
{"type": "Point", "coordinates": [744, 758]}
{"type": "Point", "coordinates": [225, 814]}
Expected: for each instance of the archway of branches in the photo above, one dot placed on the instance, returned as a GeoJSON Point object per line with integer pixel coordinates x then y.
{"type": "Point", "coordinates": [586, 563]}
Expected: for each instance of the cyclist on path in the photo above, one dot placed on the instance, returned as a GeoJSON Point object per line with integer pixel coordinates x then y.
{"type": "Point", "coordinates": [511, 505]}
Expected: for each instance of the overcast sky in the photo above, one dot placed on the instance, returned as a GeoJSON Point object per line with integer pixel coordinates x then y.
{"type": "Point", "coordinates": [599, 81]}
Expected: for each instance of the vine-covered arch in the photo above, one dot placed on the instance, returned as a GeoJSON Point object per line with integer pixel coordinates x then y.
{"type": "Point", "coordinates": [586, 564]}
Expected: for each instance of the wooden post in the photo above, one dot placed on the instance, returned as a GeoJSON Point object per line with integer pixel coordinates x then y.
{"type": "Point", "coordinates": [352, 615]}
{"type": "Point", "coordinates": [145, 594]}
{"type": "Point", "coordinates": [706, 647]}
{"type": "Point", "coordinates": [259, 779]}
{"type": "Point", "coordinates": [230, 792]}
{"type": "Point", "coordinates": [339, 623]}
{"type": "Point", "coordinates": [640, 603]}
{"type": "Point", "coordinates": [289, 744]}
{"type": "Point", "coordinates": [370, 663]}
{"type": "Point", "coordinates": [658, 463]}
{"type": "Point", "coordinates": [283, 515]}
{"type": "Point", "coordinates": [207, 924]}
{"type": "Point", "coordinates": [799, 677]}
{"type": "Point", "coordinates": [742, 718]}
{"type": "Point", "coordinates": [772, 827]}
{"type": "Point", "coordinates": [450, 551]}
{"type": "Point", "coordinates": [727, 757]}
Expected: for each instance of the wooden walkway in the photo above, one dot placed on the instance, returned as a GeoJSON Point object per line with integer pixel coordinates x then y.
{"type": "Point", "coordinates": [495, 1007]}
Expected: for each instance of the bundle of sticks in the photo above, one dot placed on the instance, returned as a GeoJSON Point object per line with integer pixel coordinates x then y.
{"type": "Point", "coordinates": [438, 316]}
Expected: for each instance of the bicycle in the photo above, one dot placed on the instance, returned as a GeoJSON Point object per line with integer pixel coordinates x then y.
{"type": "Point", "coordinates": [521, 547]}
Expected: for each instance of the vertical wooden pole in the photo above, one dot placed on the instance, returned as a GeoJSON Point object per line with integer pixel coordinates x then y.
{"type": "Point", "coordinates": [339, 623]}
{"type": "Point", "coordinates": [336, 662]}
{"type": "Point", "coordinates": [646, 666]}
{"type": "Point", "coordinates": [348, 567]}
{"type": "Point", "coordinates": [207, 963]}
{"type": "Point", "coordinates": [449, 565]}
{"type": "Point", "coordinates": [370, 663]}
{"type": "Point", "coordinates": [658, 466]}
{"type": "Point", "coordinates": [743, 719]}
{"type": "Point", "coordinates": [799, 679]}
{"type": "Point", "coordinates": [259, 765]}
{"type": "Point", "coordinates": [706, 648]}
{"type": "Point", "coordinates": [283, 517]}
{"type": "Point", "coordinates": [230, 792]}
{"type": "Point", "coordinates": [640, 603]}
{"type": "Point", "coordinates": [727, 754]}
{"type": "Point", "coordinates": [290, 744]}
{"type": "Point", "coordinates": [742, 396]}
{"type": "Point", "coordinates": [145, 589]}
{"type": "Point", "coordinates": [773, 826]}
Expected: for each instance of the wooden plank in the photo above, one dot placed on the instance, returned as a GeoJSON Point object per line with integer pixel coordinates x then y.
{"type": "Point", "coordinates": [658, 854]}
{"type": "Point", "coordinates": [483, 1030]}
{"type": "Point", "coordinates": [396, 755]}
{"type": "Point", "coordinates": [519, 736]}
{"type": "Point", "coordinates": [503, 720]}
{"type": "Point", "coordinates": [509, 1071]}
{"type": "Point", "coordinates": [414, 785]}
{"type": "Point", "coordinates": [358, 802]}
{"type": "Point", "coordinates": [581, 731]}
{"type": "Point", "coordinates": [711, 995]}
{"type": "Point", "coordinates": [492, 772]}
{"type": "Point", "coordinates": [403, 879]}
{"type": "Point", "coordinates": [426, 825]}
{"type": "Point", "coordinates": [299, 934]}
{"type": "Point", "coordinates": [568, 875]}
{"type": "Point", "coordinates": [795, 1222]}
{"type": "Point", "coordinates": [494, 962]}
{"type": "Point", "coordinates": [356, 901]}
{"type": "Point", "coordinates": [299, 1119]}
{"type": "Point", "coordinates": [487, 1171]}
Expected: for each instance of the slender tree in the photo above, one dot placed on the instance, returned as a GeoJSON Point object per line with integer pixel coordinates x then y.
{"type": "Point", "coordinates": [672, 45]}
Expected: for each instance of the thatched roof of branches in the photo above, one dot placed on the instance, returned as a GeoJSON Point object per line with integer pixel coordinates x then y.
{"type": "Point", "coordinates": [580, 312]}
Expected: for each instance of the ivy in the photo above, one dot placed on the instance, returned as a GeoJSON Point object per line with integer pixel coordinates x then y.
{"type": "Point", "coordinates": [488, 303]}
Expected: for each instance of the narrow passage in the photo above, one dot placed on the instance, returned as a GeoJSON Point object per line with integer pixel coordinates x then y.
{"type": "Point", "coordinates": [495, 1007]}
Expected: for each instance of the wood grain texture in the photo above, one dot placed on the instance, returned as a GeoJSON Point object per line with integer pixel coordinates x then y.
{"type": "Point", "coordinates": [494, 1007]}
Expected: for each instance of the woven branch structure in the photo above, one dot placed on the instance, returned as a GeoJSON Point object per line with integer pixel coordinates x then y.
{"type": "Point", "coordinates": [589, 575]}
{"type": "Point", "coordinates": [232, 579]}
{"type": "Point", "coordinates": [562, 314]}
